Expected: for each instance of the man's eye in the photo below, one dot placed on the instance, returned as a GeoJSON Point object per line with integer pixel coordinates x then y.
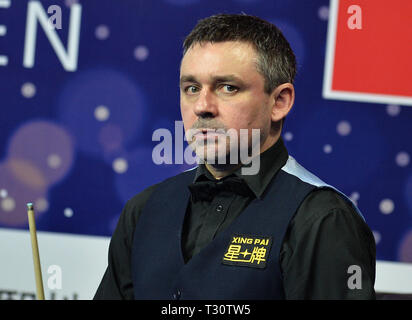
{"type": "Point", "coordinates": [191, 89]}
{"type": "Point", "coordinates": [229, 88]}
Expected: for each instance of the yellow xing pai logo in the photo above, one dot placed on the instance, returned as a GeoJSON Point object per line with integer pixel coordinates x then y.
{"type": "Point", "coordinates": [246, 250]}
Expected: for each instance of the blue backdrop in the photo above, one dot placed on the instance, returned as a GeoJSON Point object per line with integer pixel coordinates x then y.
{"type": "Point", "coordinates": [78, 143]}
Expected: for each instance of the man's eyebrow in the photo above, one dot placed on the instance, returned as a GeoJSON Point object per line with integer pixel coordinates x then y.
{"type": "Point", "coordinates": [187, 78]}
{"type": "Point", "coordinates": [226, 78]}
{"type": "Point", "coordinates": [214, 79]}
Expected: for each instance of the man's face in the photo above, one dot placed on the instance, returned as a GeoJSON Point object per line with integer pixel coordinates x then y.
{"type": "Point", "coordinates": [221, 89]}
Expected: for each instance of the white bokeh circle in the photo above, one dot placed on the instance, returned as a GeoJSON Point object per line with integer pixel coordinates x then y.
{"type": "Point", "coordinates": [344, 128]}
{"type": "Point", "coordinates": [102, 32]}
{"type": "Point", "coordinates": [386, 206]}
{"type": "Point", "coordinates": [3, 193]}
{"type": "Point", "coordinates": [323, 13]}
{"type": "Point", "coordinates": [141, 53]}
{"type": "Point", "coordinates": [327, 148]}
{"type": "Point", "coordinates": [402, 159]}
{"type": "Point", "coordinates": [28, 90]}
{"type": "Point", "coordinates": [120, 165]}
{"type": "Point", "coordinates": [377, 235]}
{"type": "Point", "coordinates": [68, 212]}
{"type": "Point", "coordinates": [54, 161]}
{"type": "Point", "coordinates": [8, 204]}
{"type": "Point", "coordinates": [102, 113]}
{"type": "Point", "coordinates": [41, 205]}
{"type": "Point", "coordinates": [393, 110]}
{"type": "Point", "coordinates": [288, 136]}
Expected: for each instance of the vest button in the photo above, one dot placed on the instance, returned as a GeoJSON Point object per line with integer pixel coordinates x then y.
{"type": "Point", "coordinates": [219, 208]}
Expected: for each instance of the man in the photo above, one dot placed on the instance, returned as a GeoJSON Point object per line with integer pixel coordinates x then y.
{"type": "Point", "coordinates": [217, 233]}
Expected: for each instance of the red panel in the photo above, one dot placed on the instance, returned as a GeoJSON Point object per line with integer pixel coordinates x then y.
{"type": "Point", "coordinates": [377, 58]}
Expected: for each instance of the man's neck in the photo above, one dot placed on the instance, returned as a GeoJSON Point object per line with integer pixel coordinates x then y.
{"type": "Point", "coordinates": [220, 171]}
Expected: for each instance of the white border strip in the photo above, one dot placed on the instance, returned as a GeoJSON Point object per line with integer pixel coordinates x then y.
{"type": "Point", "coordinates": [393, 277]}
{"type": "Point", "coordinates": [84, 258]}
{"type": "Point", "coordinates": [330, 48]}
{"type": "Point", "coordinates": [78, 260]}
{"type": "Point", "coordinates": [327, 91]}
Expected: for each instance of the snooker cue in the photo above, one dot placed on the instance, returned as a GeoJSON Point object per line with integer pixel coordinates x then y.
{"type": "Point", "coordinates": [35, 249]}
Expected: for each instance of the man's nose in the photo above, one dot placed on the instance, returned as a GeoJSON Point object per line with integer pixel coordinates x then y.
{"type": "Point", "coordinates": [206, 104]}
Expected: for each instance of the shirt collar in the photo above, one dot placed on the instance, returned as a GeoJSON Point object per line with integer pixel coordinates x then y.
{"type": "Point", "coordinates": [271, 161]}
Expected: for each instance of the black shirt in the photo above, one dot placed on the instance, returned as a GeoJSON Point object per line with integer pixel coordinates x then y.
{"type": "Point", "coordinates": [325, 237]}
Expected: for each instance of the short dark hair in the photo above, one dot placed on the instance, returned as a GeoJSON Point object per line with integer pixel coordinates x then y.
{"type": "Point", "coordinates": [276, 60]}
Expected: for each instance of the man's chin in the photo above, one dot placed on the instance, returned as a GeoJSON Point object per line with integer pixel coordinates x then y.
{"type": "Point", "coordinates": [215, 158]}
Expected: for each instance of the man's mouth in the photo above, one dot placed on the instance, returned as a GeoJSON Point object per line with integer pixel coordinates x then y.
{"type": "Point", "coordinates": [208, 134]}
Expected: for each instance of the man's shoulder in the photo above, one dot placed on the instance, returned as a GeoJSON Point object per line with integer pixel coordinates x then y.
{"type": "Point", "coordinates": [134, 206]}
{"type": "Point", "coordinates": [140, 199]}
{"type": "Point", "coordinates": [329, 197]}
{"type": "Point", "coordinates": [325, 201]}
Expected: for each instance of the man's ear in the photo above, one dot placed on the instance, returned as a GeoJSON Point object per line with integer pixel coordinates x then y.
{"type": "Point", "coordinates": [282, 97]}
